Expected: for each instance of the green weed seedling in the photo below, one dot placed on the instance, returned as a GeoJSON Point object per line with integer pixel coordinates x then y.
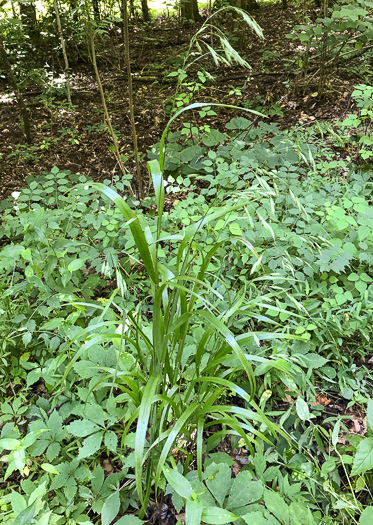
{"type": "Point", "coordinates": [71, 134]}
{"type": "Point", "coordinates": [359, 127]}
{"type": "Point", "coordinates": [23, 152]}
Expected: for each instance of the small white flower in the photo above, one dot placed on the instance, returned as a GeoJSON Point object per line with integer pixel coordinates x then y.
{"type": "Point", "coordinates": [86, 187]}
{"type": "Point", "coordinates": [16, 194]}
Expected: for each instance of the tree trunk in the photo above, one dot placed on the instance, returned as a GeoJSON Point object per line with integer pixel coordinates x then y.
{"type": "Point", "coordinates": [14, 9]}
{"type": "Point", "coordinates": [96, 9]}
{"type": "Point", "coordinates": [12, 81]}
{"type": "Point", "coordinates": [27, 14]}
{"type": "Point", "coordinates": [250, 5]}
{"type": "Point", "coordinates": [62, 40]}
{"type": "Point", "coordinates": [145, 10]}
{"type": "Point", "coordinates": [189, 10]}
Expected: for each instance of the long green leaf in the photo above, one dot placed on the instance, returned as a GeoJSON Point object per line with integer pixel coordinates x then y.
{"type": "Point", "coordinates": [177, 481]}
{"type": "Point", "coordinates": [218, 516]}
{"type": "Point", "coordinates": [135, 226]}
{"type": "Point", "coordinates": [230, 339]}
{"type": "Point", "coordinates": [142, 426]}
{"type": "Point", "coordinates": [171, 438]}
{"type": "Point", "coordinates": [193, 512]}
{"type": "Point", "coordinates": [241, 392]}
{"type": "Point", "coordinates": [156, 175]}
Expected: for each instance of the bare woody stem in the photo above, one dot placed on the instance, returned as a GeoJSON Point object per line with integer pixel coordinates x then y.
{"type": "Point", "coordinates": [62, 40]}
{"type": "Point", "coordinates": [139, 182]}
{"type": "Point", "coordinates": [102, 94]}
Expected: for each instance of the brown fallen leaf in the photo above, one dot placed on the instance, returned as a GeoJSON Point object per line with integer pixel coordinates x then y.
{"type": "Point", "coordinates": [107, 466]}
{"type": "Point", "coordinates": [321, 399]}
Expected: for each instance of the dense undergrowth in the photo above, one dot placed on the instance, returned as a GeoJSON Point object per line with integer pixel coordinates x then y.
{"type": "Point", "coordinates": [204, 355]}
{"type": "Point", "coordinates": [148, 350]}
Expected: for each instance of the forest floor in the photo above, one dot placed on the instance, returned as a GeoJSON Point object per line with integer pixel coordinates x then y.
{"type": "Point", "coordinates": [77, 139]}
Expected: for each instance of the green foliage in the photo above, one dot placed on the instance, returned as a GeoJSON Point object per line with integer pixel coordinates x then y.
{"type": "Point", "coordinates": [155, 337]}
{"type": "Point", "coordinates": [334, 38]}
{"type": "Point", "coordinates": [361, 125]}
{"type": "Point", "coordinates": [219, 498]}
{"type": "Point", "coordinates": [220, 52]}
{"type": "Point", "coordinates": [363, 459]}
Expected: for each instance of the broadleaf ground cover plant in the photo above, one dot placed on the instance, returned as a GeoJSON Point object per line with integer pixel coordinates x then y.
{"type": "Point", "coordinates": [146, 341]}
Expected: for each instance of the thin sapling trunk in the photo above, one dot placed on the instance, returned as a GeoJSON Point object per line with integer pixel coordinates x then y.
{"type": "Point", "coordinates": [103, 100]}
{"type": "Point", "coordinates": [12, 81]}
{"type": "Point", "coordinates": [62, 40]}
{"type": "Point", "coordinates": [130, 101]}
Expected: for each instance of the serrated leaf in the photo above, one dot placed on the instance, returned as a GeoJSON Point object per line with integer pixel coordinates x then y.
{"type": "Point", "coordinates": [94, 412]}
{"type": "Point", "coordinates": [98, 478]}
{"type": "Point", "coordinates": [65, 471]}
{"type": "Point", "coordinates": [341, 261]}
{"type": "Point", "coordinates": [111, 440]}
{"type": "Point", "coordinates": [363, 460]}
{"type": "Point", "coordinates": [275, 504]}
{"type": "Point", "coordinates": [18, 502]}
{"type": "Point", "coordinates": [53, 451]}
{"type": "Point", "coordinates": [70, 488]}
{"type": "Point", "coordinates": [33, 376]}
{"type": "Point", "coordinates": [218, 480]}
{"type": "Point", "coordinates": [315, 360]}
{"type": "Point", "coordinates": [90, 445]}
{"type": "Point", "coordinates": [82, 428]}
{"type": "Point", "coordinates": [55, 424]}
{"type": "Point", "coordinates": [244, 490]}
{"type": "Point", "coordinates": [110, 508]}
